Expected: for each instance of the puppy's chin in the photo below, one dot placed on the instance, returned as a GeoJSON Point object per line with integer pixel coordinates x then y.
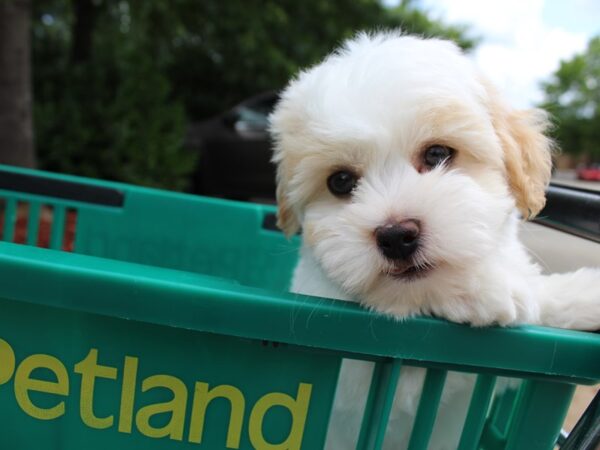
{"type": "Point", "coordinates": [412, 295]}
{"type": "Point", "coordinates": [410, 271]}
{"type": "Point", "coordinates": [461, 225]}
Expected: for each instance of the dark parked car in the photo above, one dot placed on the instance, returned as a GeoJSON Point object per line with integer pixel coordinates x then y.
{"type": "Point", "coordinates": [235, 151]}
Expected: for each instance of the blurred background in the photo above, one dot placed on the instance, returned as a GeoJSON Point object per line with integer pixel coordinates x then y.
{"type": "Point", "coordinates": [175, 94]}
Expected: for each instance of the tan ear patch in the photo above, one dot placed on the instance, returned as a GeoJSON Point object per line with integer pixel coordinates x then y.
{"type": "Point", "coordinates": [527, 153]}
{"type": "Point", "coordinates": [287, 220]}
{"type": "Point", "coordinates": [527, 158]}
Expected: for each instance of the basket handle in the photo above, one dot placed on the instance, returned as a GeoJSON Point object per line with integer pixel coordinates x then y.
{"type": "Point", "coordinates": [62, 189]}
{"type": "Point", "coordinates": [586, 433]}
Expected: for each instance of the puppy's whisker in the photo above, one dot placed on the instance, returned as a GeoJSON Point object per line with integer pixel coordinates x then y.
{"type": "Point", "coordinates": [538, 257]}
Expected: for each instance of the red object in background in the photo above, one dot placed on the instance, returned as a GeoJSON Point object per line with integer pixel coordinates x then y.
{"type": "Point", "coordinates": [589, 173]}
{"type": "Point", "coordinates": [45, 228]}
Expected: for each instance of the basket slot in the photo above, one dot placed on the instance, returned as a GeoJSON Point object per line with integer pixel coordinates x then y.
{"type": "Point", "coordinates": [427, 410]}
{"type": "Point", "coordinates": [504, 404]}
{"type": "Point", "coordinates": [379, 404]}
{"type": "Point", "coordinates": [70, 230]}
{"type": "Point", "coordinates": [45, 223]}
{"type": "Point", "coordinates": [477, 414]}
{"type": "Point", "coordinates": [60, 188]}
{"type": "Point", "coordinates": [22, 213]}
{"type": "Point", "coordinates": [10, 215]}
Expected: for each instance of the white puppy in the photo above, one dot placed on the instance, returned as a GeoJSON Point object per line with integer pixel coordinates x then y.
{"type": "Point", "coordinates": [405, 171]}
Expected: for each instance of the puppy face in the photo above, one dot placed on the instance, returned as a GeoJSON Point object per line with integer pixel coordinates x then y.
{"type": "Point", "coordinates": [402, 166]}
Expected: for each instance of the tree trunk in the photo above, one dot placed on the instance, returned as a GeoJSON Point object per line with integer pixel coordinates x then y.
{"type": "Point", "coordinates": [16, 129]}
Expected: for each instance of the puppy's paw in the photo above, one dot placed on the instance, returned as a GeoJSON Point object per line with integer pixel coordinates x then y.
{"type": "Point", "coordinates": [490, 302]}
{"type": "Point", "coordinates": [571, 300]}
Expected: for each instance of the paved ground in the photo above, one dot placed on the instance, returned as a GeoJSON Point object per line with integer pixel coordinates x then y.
{"type": "Point", "coordinates": [583, 397]}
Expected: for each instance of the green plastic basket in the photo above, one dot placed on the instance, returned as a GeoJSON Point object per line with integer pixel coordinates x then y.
{"type": "Point", "coordinates": [158, 320]}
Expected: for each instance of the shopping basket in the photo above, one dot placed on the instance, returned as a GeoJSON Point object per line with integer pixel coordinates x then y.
{"type": "Point", "coordinates": [134, 318]}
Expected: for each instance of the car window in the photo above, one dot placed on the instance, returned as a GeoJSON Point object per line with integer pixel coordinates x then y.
{"type": "Point", "coordinates": [566, 234]}
{"type": "Point", "coordinates": [250, 119]}
{"type": "Point", "coordinates": [253, 116]}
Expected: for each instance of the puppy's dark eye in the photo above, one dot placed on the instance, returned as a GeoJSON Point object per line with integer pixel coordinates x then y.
{"type": "Point", "coordinates": [436, 155]}
{"type": "Point", "coordinates": [342, 183]}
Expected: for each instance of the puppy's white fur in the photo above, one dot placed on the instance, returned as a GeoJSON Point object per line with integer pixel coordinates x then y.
{"type": "Point", "coordinates": [373, 107]}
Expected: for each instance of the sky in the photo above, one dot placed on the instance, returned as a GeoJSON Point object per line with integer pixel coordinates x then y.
{"type": "Point", "coordinates": [522, 41]}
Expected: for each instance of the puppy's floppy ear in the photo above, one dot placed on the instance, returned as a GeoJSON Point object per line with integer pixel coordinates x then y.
{"type": "Point", "coordinates": [527, 154]}
{"type": "Point", "coordinates": [283, 122]}
{"type": "Point", "coordinates": [287, 219]}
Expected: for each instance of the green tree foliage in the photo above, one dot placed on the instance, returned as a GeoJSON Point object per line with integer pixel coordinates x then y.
{"type": "Point", "coordinates": [573, 98]}
{"type": "Point", "coordinates": [116, 83]}
{"type": "Point", "coordinates": [104, 106]}
{"type": "Point", "coordinates": [228, 50]}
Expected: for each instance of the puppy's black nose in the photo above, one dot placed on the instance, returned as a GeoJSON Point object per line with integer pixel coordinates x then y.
{"type": "Point", "coordinates": [398, 240]}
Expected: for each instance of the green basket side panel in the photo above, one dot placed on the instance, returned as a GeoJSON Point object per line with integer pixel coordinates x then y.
{"type": "Point", "coordinates": [219, 238]}
{"type": "Point", "coordinates": [253, 369]}
{"type": "Point", "coordinates": [529, 417]}
{"type": "Point", "coordinates": [532, 429]}
{"type": "Point", "coordinates": [226, 240]}
{"type": "Point", "coordinates": [165, 229]}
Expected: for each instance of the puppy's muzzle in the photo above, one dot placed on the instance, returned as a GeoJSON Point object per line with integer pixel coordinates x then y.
{"type": "Point", "coordinates": [398, 240]}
